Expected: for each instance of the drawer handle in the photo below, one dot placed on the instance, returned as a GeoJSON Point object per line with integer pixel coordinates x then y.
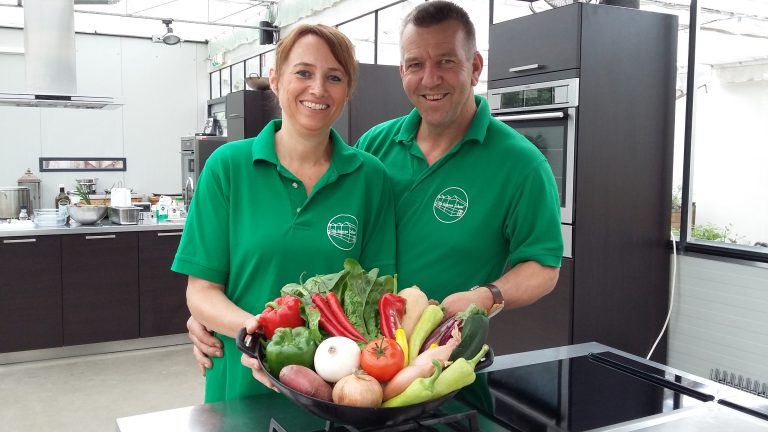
{"type": "Point", "coordinates": [20, 241]}
{"type": "Point", "coordinates": [166, 234]}
{"type": "Point", "coordinates": [96, 237]}
{"type": "Point", "coordinates": [525, 68]}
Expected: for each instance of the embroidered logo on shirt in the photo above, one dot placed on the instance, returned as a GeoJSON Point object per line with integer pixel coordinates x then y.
{"type": "Point", "coordinates": [450, 205]}
{"type": "Point", "coordinates": [342, 231]}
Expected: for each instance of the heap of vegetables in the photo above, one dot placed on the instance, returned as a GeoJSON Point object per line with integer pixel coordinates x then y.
{"type": "Point", "coordinates": [351, 338]}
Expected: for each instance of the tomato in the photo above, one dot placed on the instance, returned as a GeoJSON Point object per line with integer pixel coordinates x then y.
{"type": "Point", "coordinates": [382, 358]}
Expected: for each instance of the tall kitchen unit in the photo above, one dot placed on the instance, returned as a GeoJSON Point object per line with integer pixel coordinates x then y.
{"type": "Point", "coordinates": [593, 86]}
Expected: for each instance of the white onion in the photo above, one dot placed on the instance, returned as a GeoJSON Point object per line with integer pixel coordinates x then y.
{"type": "Point", "coordinates": [336, 357]}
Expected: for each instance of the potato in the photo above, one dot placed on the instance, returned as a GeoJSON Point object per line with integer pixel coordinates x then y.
{"type": "Point", "coordinates": [306, 381]}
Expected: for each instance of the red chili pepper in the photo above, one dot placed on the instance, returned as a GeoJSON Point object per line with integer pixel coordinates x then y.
{"type": "Point", "coordinates": [341, 317]}
{"type": "Point", "coordinates": [327, 319]}
{"type": "Point", "coordinates": [391, 311]}
{"type": "Point", "coordinates": [282, 312]}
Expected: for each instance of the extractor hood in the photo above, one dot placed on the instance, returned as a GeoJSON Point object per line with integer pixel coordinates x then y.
{"type": "Point", "coordinates": [49, 51]}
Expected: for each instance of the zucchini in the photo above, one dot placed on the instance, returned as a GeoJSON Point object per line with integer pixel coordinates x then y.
{"type": "Point", "coordinates": [473, 335]}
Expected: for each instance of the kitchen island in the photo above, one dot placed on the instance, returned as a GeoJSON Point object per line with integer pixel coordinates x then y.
{"type": "Point", "coordinates": [86, 289]}
{"type": "Point", "coordinates": [588, 386]}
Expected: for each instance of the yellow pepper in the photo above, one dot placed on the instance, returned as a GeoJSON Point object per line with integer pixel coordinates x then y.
{"type": "Point", "coordinates": [403, 342]}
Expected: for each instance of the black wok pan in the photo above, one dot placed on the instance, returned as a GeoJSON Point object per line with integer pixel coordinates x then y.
{"type": "Point", "coordinates": [343, 414]}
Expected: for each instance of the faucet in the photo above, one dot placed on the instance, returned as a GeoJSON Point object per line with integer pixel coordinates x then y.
{"type": "Point", "coordinates": [189, 187]}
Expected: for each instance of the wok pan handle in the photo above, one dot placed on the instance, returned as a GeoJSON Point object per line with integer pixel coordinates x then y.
{"type": "Point", "coordinates": [248, 344]}
{"type": "Point", "coordinates": [486, 361]}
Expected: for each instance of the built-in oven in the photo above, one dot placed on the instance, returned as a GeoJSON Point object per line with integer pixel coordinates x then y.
{"type": "Point", "coordinates": [546, 113]}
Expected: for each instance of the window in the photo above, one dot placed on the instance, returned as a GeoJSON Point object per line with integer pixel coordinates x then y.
{"type": "Point", "coordinates": [362, 32]}
{"type": "Point", "coordinates": [225, 81]}
{"type": "Point", "coordinates": [238, 76]}
{"type": "Point", "coordinates": [729, 185]}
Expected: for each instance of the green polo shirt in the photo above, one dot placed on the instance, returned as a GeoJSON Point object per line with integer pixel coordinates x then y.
{"type": "Point", "coordinates": [491, 200]}
{"type": "Point", "coordinates": [252, 228]}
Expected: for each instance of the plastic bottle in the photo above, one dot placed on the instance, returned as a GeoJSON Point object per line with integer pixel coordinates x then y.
{"type": "Point", "coordinates": [23, 214]}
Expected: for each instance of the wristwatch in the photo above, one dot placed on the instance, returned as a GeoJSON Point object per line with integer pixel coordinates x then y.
{"type": "Point", "coordinates": [498, 298]}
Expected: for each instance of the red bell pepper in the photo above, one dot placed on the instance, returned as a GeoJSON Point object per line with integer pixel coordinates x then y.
{"type": "Point", "coordinates": [391, 311]}
{"type": "Point", "coordinates": [283, 311]}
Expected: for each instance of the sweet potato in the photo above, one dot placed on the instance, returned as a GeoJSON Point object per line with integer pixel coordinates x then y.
{"type": "Point", "coordinates": [306, 381]}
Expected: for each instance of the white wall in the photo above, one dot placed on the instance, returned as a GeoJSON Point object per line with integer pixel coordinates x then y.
{"type": "Point", "coordinates": [720, 318]}
{"type": "Point", "coordinates": [164, 90]}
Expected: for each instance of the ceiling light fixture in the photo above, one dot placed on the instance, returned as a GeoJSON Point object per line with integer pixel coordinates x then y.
{"type": "Point", "coordinates": [168, 38]}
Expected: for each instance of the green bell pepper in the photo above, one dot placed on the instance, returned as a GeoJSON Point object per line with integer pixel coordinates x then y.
{"type": "Point", "coordinates": [290, 346]}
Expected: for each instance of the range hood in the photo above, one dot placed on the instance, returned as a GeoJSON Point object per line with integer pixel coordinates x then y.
{"type": "Point", "coordinates": [49, 51]}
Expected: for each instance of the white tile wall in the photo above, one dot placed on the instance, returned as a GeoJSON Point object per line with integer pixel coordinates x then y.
{"type": "Point", "coordinates": [164, 89]}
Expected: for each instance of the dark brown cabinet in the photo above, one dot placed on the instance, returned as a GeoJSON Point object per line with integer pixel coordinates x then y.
{"type": "Point", "coordinates": [377, 98]}
{"type": "Point", "coordinates": [30, 293]}
{"type": "Point", "coordinates": [544, 42]}
{"type": "Point", "coordinates": [162, 292]}
{"type": "Point", "coordinates": [248, 111]}
{"type": "Point", "coordinates": [512, 331]}
{"type": "Point", "coordinates": [618, 278]}
{"type": "Point", "coordinates": [100, 287]}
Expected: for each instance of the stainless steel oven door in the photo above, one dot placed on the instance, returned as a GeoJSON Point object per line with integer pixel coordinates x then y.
{"type": "Point", "coordinates": [554, 134]}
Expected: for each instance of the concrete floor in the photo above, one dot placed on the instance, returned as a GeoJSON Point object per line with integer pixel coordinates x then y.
{"type": "Point", "coordinates": [87, 394]}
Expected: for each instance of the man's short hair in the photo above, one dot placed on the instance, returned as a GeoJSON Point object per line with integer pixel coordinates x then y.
{"type": "Point", "coordinates": [437, 12]}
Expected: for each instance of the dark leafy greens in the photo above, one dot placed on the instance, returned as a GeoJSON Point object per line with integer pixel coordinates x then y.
{"type": "Point", "coordinates": [358, 291]}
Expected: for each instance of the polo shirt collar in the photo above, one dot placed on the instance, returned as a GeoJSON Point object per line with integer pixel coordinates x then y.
{"type": "Point", "coordinates": [344, 159]}
{"type": "Point", "coordinates": [476, 131]}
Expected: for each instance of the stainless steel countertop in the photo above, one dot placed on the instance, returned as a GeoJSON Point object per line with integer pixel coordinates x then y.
{"type": "Point", "coordinates": [105, 226]}
{"type": "Point", "coordinates": [252, 414]}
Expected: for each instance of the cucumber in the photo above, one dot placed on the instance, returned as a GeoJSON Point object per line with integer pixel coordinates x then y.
{"type": "Point", "coordinates": [473, 336]}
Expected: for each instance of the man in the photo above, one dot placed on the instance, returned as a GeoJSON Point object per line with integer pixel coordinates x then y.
{"type": "Point", "coordinates": [472, 195]}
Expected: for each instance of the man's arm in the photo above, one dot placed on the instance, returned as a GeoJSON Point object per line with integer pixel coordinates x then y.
{"type": "Point", "coordinates": [524, 284]}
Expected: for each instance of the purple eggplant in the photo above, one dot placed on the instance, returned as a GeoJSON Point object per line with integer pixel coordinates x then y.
{"type": "Point", "coordinates": [441, 334]}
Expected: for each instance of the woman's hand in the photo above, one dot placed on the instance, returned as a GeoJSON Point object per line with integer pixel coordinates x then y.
{"type": "Point", "coordinates": [251, 326]}
{"type": "Point", "coordinates": [205, 345]}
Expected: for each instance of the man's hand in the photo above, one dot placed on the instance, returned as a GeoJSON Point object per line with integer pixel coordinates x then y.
{"type": "Point", "coordinates": [205, 344]}
{"type": "Point", "coordinates": [258, 372]}
{"type": "Point", "coordinates": [458, 302]}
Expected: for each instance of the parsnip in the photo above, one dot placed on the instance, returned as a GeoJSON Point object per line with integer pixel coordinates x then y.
{"type": "Point", "coordinates": [415, 303]}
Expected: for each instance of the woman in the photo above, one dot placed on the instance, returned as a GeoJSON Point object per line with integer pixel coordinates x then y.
{"type": "Point", "coordinates": [264, 207]}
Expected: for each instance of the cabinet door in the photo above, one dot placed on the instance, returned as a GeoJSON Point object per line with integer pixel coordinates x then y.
{"type": "Point", "coordinates": [162, 292]}
{"type": "Point", "coordinates": [548, 39]}
{"type": "Point", "coordinates": [100, 287]}
{"type": "Point", "coordinates": [30, 293]}
{"type": "Point", "coordinates": [544, 324]}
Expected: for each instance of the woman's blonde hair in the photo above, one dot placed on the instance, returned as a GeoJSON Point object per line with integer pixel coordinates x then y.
{"type": "Point", "coordinates": [341, 48]}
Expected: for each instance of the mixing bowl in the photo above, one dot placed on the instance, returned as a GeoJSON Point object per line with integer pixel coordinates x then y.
{"type": "Point", "coordinates": [86, 214]}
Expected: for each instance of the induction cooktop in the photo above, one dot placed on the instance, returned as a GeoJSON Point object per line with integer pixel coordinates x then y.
{"type": "Point", "coordinates": [583, 393]}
